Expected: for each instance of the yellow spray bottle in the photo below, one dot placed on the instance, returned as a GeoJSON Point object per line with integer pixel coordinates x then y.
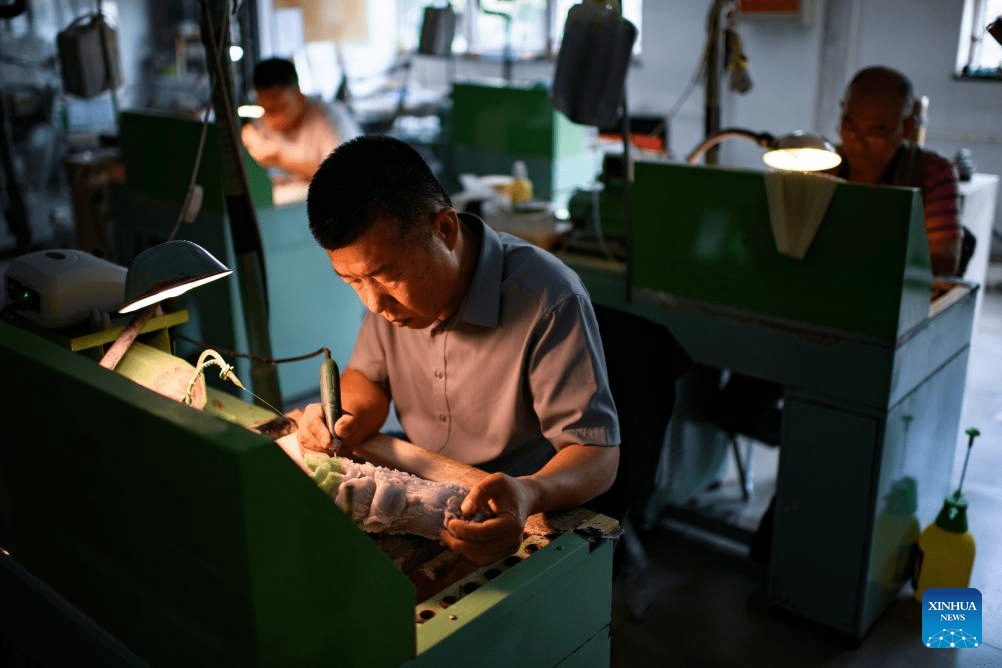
{"type": "Point", "coordinates": [946, 547]}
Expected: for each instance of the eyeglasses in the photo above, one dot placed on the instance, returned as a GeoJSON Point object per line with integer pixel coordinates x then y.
{"type": "Point", "coordinates": [872, 136]}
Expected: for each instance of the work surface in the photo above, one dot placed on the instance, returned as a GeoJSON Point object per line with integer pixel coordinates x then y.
{"type": "Point", "coordinates": [178, 523]}
{"type": "Point", "coordinates": [401, 455]}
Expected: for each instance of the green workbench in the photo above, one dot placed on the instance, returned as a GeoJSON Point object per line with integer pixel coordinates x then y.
{"type": "Point", "coordinates": [150, 529]}
{"type": "Point", "coordinates": [493, 125]}
{"type": "Point", "coordinates": [873, 372]}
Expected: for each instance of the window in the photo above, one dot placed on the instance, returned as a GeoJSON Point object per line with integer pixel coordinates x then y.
{"type": "Point", "coordinates": [536, 25]}
{"type": "Point", "coordinates": [979, 56]}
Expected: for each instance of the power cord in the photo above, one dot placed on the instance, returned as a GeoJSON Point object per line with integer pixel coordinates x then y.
{"type": "Point", "coordinates": [261, 360]}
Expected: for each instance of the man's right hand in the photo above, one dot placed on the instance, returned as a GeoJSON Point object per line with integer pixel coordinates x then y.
{"type": "Point", "coordinates": [259, 148]}
{"type": "Point", "coordinates": [313, 435]}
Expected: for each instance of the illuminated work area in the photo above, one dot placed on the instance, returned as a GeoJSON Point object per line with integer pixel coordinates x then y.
{"type": "Point", "coordinates": [500, 332]}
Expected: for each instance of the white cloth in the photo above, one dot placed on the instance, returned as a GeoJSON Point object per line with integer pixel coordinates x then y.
{"type": "Point", "coordinates": [798, 202]}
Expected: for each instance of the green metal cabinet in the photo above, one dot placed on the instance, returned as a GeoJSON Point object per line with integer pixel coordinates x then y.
{"type": "Point", "coordinates": [492, 126]}
{"type": "Point", "coordinates": [873, 372]}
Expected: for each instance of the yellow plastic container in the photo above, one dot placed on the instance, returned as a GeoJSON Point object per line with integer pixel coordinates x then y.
{"type": "Point", "coordinates": [946, 549]}
{"type": "Point", "coordinates": [521, 187]}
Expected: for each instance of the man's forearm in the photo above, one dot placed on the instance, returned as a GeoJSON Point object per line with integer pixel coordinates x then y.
{"type": "Point", "coordinates": [575, 475]}
{"type": "Point", "coordinates": [365, 400]}
{"type": "Point", "coordinates": [945, 257]}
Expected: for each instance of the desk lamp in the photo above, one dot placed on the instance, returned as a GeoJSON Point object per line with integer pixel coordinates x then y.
{"type": "Point", "coordinates": [158, 273]}
{"type": "Point", "coordinates": [795, 152]}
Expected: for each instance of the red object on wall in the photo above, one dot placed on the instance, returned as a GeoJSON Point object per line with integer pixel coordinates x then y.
{"type": "Point", "coordinates": [769, 5]}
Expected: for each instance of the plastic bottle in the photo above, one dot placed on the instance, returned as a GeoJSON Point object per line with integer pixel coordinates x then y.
{"type": "Point", "coordinates": [946, 547]}
{"type": "Point", "coordinates": [521, 186]}
{"type": "Point", "coordinates": [897, 532]}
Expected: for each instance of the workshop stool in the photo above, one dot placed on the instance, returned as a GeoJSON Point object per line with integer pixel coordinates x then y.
{"type": "Point", "coordinates": [749, 408]}
{"type": "Point", "coordinates": [644, 362]}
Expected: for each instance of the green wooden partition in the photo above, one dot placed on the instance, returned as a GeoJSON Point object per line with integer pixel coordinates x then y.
{"type": "Point", "coordinates": [705, 233]}
{"type": "Point", "coordinates": [190, 539]}
{"type": "Point", "coordinates": [493, 125]}
{"type": "Point", "coordinates": [193, 541]}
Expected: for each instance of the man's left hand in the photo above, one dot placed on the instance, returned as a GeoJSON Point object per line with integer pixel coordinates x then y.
{"type": "Point", "coordinates": [509, 500]}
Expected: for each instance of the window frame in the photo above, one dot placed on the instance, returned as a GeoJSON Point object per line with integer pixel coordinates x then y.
{"type": "Point", "coordinates": [466, 27]}
{"type": "Point", "coordinates": [971, 62]}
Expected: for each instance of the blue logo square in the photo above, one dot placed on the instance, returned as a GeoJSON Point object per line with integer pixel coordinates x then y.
{"type": "Point", "coordinates": [951, 618]}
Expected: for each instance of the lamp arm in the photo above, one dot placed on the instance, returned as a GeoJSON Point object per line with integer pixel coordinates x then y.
{"type": "Point", "coordinates": [121, 345]}
{"type": "Point", "coordinates": [763, 139]}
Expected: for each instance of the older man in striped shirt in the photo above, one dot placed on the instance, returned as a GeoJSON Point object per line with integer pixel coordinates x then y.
{"type": "Point", "coordinates": [876, 119]}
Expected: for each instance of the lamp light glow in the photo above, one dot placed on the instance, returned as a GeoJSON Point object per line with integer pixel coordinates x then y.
{"type": "Point", "coordinates": [801, 159]}
{"type": "Point", "coordinates": [167, 293]}
{"type": "Point", "coordinates": [802, 152]}
{"type": "Point", "coordinates": [250, 111]}
{"type": "Point", "coordinates": [236, 53]}
{"type": "Point", "coordinates": [168, 270]}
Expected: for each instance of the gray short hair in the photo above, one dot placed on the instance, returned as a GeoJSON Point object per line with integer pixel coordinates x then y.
{"type": "Point", "coordinates": [880, 80]}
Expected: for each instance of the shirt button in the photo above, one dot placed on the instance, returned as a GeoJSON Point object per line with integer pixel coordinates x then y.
{"type": "Point", "coordinates": [441, 418]}
{"type": "Point", "coordinates": [439, 375]}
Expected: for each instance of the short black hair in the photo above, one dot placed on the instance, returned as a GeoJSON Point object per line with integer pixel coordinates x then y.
{"type": "Point", "coordinates": [275, 72]}
{"type": "Point", "coordinates": [370, 179]}
{"type": "Point", "coordinates": [878, 78]}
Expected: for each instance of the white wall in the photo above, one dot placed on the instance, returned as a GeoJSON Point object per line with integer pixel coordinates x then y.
{"type": "Point", "coordinates": [784, 62]}
{"type": "Point", "coordinates": [674, 38]}
{"type": "Point", "coordinates": [919, 38]}
{"type": "Point", "coordinates": [922, 43]}
{"type": "Point", "coordinates": [33, 40]}
{"type": "Point", "coordinates": [790, 89]}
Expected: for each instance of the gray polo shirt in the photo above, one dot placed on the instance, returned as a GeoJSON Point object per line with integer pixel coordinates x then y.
{"type": "Point", "coordinates": [517, 373]}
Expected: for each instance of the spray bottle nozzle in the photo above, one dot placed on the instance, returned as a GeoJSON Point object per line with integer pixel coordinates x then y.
{"type": "Point", "coordinates": [972, 432]}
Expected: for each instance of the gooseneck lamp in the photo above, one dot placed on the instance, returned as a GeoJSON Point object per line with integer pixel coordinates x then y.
{"type": "Point", "coordinates": [158, 273]}
{"type": "Point", "coordinates": [795, 152]}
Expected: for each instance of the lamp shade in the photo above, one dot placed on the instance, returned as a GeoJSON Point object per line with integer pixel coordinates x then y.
{"type": "Point", "coordinates": [168, 270]}
{"type": "Point", "coordinates": [796, 152]}
{"type": "Point", "coordinates": [802, 152]}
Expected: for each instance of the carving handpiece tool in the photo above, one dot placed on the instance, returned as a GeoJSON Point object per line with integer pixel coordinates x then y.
{"type": "Point", "coordinates": [330, 397]}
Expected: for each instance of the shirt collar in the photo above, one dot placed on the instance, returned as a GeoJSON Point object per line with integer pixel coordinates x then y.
{"type": "Point", "coordinates": [888, 176]}
{"type": "Point", "coordinates": [892, 166]}
{"type": "Point", "coordinates": [482, 305]}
